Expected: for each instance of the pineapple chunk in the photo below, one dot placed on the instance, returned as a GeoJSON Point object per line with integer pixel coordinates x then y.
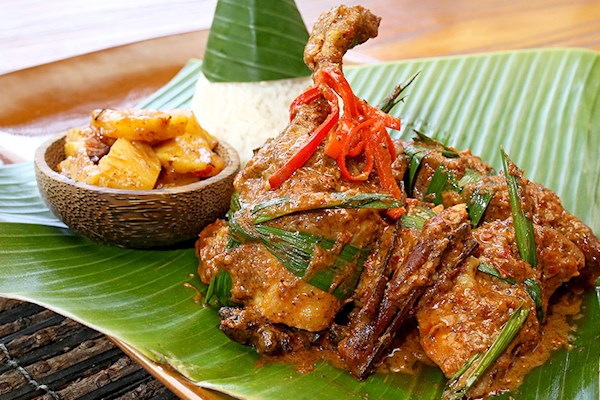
{"type": "Point", "coordinates": [190, 153]}
{"type": "Point", "coordinates": [129, 165]}
{"type": "Point", "coordinates": [75, 140]}
{"type": "Point", "coordinates": [87, 139]}
{"type": "Point", "coordinates": [169, 178]}
{"type": "Point", "coordinates": [148, 125]}
{"type": "Point", "coordinates": [194, 128]}
{"type": "Point", "coordinates": [80, 168]}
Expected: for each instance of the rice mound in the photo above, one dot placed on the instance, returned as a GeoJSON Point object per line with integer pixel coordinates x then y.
{"type": "Point", "coordinates": [245, 114]}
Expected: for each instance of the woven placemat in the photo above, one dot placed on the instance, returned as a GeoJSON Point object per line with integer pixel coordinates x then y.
{"type": "Point", "coordinates": [44, 355]}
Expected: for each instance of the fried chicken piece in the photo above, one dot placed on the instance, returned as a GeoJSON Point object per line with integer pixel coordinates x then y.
{"type": "Point", "coordinates": [261, 283]}
{"type": "Point", "coordinates": [337, 31]}
{"type": "Point", "coordinates": [465, 319]}
{"type": "Point", "coordinates": [543, 206]}
{"type": "Point", "coordinates": [545, 209]}
{"type": "Point", "coordinates": [441, 246]}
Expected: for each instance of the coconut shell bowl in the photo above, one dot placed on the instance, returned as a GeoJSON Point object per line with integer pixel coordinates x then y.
{"type": "Point", "coordinates": [134, 218]}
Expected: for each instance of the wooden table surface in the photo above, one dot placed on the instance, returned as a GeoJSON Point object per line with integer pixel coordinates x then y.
{"type": "Point", "coordinates": [35, 32]}
{"type": "Point", "coordinates": [44, 44]}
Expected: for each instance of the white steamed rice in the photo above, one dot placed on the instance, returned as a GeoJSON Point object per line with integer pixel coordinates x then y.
{"type": "Point", "coordinates": [245, 114]}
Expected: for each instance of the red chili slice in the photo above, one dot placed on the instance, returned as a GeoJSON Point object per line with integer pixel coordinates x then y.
{"type": "Point", "coordinates": [361, 129]}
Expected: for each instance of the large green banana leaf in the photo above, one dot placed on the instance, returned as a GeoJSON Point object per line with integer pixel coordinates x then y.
{"type": "Point", "coordinates": [543, 107]}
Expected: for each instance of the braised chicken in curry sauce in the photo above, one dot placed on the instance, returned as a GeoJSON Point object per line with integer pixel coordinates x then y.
{"type": "Point", "coordinates": [344, 241]}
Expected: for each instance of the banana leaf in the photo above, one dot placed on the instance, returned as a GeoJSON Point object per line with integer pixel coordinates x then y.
{"type": "Point", "coordinates": [255, 40]}
{"type": "Point", "coordinates": [543, 107]}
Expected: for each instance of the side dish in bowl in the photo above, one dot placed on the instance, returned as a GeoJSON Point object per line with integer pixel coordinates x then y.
{"type": "Point", "coordinates": [137, 178]}
{"type": "Point", "coordinates": [140, 150]}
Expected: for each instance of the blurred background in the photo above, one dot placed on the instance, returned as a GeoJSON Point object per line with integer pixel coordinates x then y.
{"type": "Point", "coordinates": [34, 32]}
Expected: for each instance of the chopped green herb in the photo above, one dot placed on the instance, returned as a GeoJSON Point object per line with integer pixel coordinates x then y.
{"type": "Point", "coordinates": [470, 176]}
{"type": "Point", "coordinates": [281, 206]}
{"type": "Point", "coordinates": [219, 290]}
{"type": "Point", "coordinates": [493, 271]}
{"type": "Point", "coordinates": [415, 155]}
{"type": "Point", "coordinates": [235, 232]}
{"type": "Point", "coordinates": [295, 251]}
{"type": "Point", "coordinates": [523, 226]}
{"type": "Point", "coordinates": [234, 204]}
{"type": "Point", "coordinates": [441, 181]}
{"type": "Point", "coordinates": [534, 290]}
{"type": "Point", "coordinates": [446, 152]}
{"type": "Point", "coordinates": [325, 279]}
{"type": "Point", "coordinates": [532, 287]}
{"type": "Point", "coordinates": [477, 204]}
{"type": "Point", "coordinates": [416, 220]}
{"type": "Point", "coordinates": [463, 369]}
{"type": "Point", "coordinates": [390, 101]}
{"type": "Point", "coordinates": [458, 387]}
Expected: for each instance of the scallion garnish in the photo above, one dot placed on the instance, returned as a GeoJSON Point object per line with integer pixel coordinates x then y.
{"type": "Point", "coordinates": [441, 180]}
{"type": "Point", "coordinates": [532, 287]}
{"type": "Point", "coordinates": [471, 176]}
{"type": "Point", "coordinates": [234, 204]}
{"type": "Point", "coordinates": [458, 387]}
{"type": "Point", "coordinates": [446, 152]}
{"type": "Point", "coordinates": [493, 271]}
{"type": "Point", "coordinates": [416, 219]}
{"type": "Point", "coordinates": [390, 101]}
{"type": "Point", "coordinates": [523, 226]}
{"type": "Point", "coordinates": [463, 369]}
{"type": "Point", "coordinates": [235, 232]}
{"type": "Point", "coordinates": [437, 184]}
{"type": "Point", "coordinates": [219, 290]}
{"type": "Point", "coordinates": [534, 290]}
{"type": "Point", "coordinates": [295, 251]}
{"type": "Point", "coordinates": [415, 155]}
{"type": "Point", "coordinates": [477, 204]}
{"type": "Point", "coordinates": [281, 206]}
{"type": "Point", "coordinates": [325, 279]}
{"type": "Point", "coordinates": [479, 199]}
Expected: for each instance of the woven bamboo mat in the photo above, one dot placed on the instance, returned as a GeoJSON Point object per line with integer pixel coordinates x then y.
{"type": "Point", "coordinates": [44, 355]}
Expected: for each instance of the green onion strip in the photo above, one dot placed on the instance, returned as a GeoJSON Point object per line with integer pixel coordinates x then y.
{"type": "Point", "coordinates": [523, 226]}
{"type": "Point", "coordinates": [460, 384]}
{"type": "Point", "coordinates": [281, 206]}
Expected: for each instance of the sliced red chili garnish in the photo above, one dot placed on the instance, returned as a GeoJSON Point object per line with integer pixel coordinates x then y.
{"type": "Point", "coordinates": [360, 130]}
{"type": "Point", "coordinates": [306, 97]}
{"type": "Point", "coordinates": [305, 152]}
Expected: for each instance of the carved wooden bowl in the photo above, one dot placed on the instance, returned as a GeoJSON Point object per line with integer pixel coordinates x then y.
{"type": "Point", "coordinates": [134, 218]}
